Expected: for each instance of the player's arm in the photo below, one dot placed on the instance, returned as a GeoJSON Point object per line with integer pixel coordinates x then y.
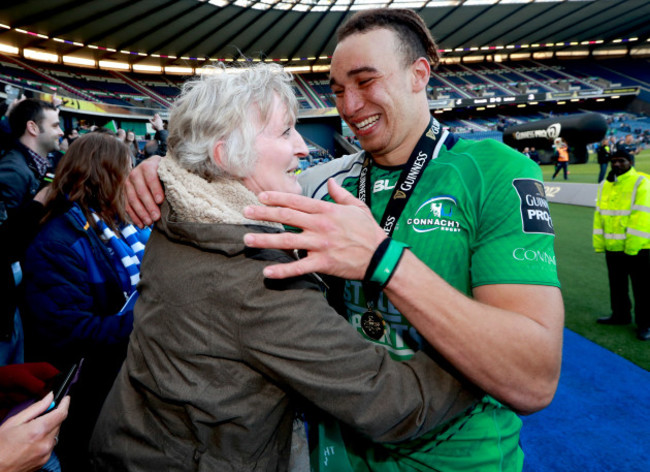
{"type": "Point", "coordinates": [507, 340]}
{"type": "Point", "coordinates": [144, 192]}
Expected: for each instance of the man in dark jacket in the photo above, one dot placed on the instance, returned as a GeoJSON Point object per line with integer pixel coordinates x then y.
{"type": "Point", "coordinates": [603, 154]}
{"type": "Point", "coordinates": [35, 128]}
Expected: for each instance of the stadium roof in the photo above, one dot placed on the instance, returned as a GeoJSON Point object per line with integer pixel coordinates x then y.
{"type": "Point", "coordinates": [302, 32]}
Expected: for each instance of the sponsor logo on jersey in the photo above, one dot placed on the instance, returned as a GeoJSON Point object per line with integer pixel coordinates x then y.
{"type": "Point", "coordinates": [535, 215]}
{"type": "Point", "coordinates": [533, 255]}
{"type": "Point", "coordinates": [437, 213]}
{"type": "Point", "coordinates": [382, 185]}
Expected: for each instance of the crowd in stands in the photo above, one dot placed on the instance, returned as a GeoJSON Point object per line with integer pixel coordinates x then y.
{"type": "Point", "coordinates": [451, 81]}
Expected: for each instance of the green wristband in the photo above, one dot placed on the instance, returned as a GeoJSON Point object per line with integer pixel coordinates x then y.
{"type": "Point", "coordinates": [388, 263]}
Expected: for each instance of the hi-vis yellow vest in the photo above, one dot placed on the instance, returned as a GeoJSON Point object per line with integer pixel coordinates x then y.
{"type": "Point", "coordinates": [622, 218]}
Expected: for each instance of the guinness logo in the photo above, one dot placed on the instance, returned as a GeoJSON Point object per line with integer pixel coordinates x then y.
{"type": "Point", "coordinates": [540, 188]}
{"type": "Point", "coordinates": [399, 194]}
{"type": "Point", "coordinates": [433, 130]}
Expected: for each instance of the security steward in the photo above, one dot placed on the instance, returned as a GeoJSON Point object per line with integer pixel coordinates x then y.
{"type": "Point", "coordinates": [622, 232]}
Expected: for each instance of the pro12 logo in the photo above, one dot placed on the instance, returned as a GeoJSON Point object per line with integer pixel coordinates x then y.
{"type": "Point", "coordinates": [535, 214]}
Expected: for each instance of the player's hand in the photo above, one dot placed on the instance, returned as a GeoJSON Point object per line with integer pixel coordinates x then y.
{"type": "Point", "coordinates": [340, 238]}
{"type": "Point", "coordinates": [27, 439]}
{"type": "Point", "coordinates": [144, 192]}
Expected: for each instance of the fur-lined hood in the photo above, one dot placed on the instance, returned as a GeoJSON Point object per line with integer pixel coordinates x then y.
{"type": "Point", "coordinates": [195, 200]}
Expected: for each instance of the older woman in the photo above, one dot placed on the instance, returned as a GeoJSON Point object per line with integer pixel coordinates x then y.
{"type": "Point", "coordinates": [220, 356]}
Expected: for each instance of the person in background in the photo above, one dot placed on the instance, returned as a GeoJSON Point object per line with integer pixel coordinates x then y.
{"type": "Point", "coordinates": [80, 274]}
{"type": "Point", "coordinates": [161, 134]}
{"type": "Point", "coordinates": [603, 154]}
{"type": "Point", "coordinates": [562, 156]}
{"type": "Point", "coordinates": [628, 145]}
{"type": "Point", "coordinates": [34, 128]}
{"type": "Point", "coordinates": [622, 232]}
{"type": "Point", "coordinates": [534, 155]}
{"type": "Point", "coordinates": [132, 143]}
{"type": "Point", "coordinates": [69, 138]}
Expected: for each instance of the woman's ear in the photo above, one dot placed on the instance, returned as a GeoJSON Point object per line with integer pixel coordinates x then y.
{"type": "Point", "coordinates": [219, 153]}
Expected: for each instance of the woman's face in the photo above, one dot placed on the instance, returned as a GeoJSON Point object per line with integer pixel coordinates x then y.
{"type": "Point", "coordinates": [278, 147]}
{"type": "Point", "coordinates": [130, 136]}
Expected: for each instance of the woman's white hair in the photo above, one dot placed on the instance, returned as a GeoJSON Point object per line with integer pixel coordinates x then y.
{"type": "Point", "coordinates": [226, 104]}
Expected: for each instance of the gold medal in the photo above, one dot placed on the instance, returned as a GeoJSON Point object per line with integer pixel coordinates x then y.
{"type": "Point", "coordinates": [372, 324]}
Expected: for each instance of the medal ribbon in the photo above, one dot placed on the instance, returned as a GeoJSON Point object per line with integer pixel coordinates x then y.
{"type": "Point", "coordinates": [426, 149]}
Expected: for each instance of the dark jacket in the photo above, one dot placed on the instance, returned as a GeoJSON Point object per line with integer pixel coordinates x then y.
{"type": "Point", "coordinates": [603, 154]}
{"type": "Point", "coordinates": [161, 136]}
{"type": "Point", "coordinates": [19, 217]}
{"type": "Point", "coordinates": [73, 292]}
{"type": "Point", "coordinates": [220, 357]}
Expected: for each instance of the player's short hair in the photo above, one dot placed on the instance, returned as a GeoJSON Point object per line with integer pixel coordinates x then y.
{"type": "Point", "coordinates": [415, 39]}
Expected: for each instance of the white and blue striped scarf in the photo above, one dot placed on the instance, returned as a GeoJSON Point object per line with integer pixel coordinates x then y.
{"type": "Point", "coordinates": [129, 250]}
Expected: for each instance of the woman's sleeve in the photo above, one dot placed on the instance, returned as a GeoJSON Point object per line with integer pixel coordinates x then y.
{"type": "Point", "coordinates": [291, 334]}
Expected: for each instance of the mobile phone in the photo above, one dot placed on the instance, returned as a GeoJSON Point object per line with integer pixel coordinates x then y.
{"type": "Point", "coordinates": [61, 384]}
{"type": "Point", "coordinates": [12, 93]}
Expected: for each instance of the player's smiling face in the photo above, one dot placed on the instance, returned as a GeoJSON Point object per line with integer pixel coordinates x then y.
{"type": "Point", "coordinates": [373, 90]}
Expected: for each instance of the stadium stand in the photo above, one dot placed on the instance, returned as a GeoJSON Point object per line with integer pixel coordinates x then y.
{"type": "Point", "coordinates": [450, 81]}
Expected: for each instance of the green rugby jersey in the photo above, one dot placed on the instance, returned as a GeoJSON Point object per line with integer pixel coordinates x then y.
{"type": "Point", "coordinates": [478, 216]}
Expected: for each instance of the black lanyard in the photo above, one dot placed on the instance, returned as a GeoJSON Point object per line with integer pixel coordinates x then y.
{"type": "Point", "coordinates": [408, 179]}
{"type": "Point", "coordinates": [372, 323]}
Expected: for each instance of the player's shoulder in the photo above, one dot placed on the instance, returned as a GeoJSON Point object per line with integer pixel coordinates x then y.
{"type": "Point", "coordinates": [314, 179]}
{"type": "Point", "coordinates": [490, 158]}
{"type": "Point", "coordinates": [490, 149]}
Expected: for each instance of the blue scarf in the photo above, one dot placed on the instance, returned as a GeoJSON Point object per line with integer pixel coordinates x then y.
{"type": "Point", "coordinates": [129, 250]}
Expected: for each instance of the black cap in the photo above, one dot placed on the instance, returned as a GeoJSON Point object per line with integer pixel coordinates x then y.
{"type": "Point", "coordinates": [622, 153]}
